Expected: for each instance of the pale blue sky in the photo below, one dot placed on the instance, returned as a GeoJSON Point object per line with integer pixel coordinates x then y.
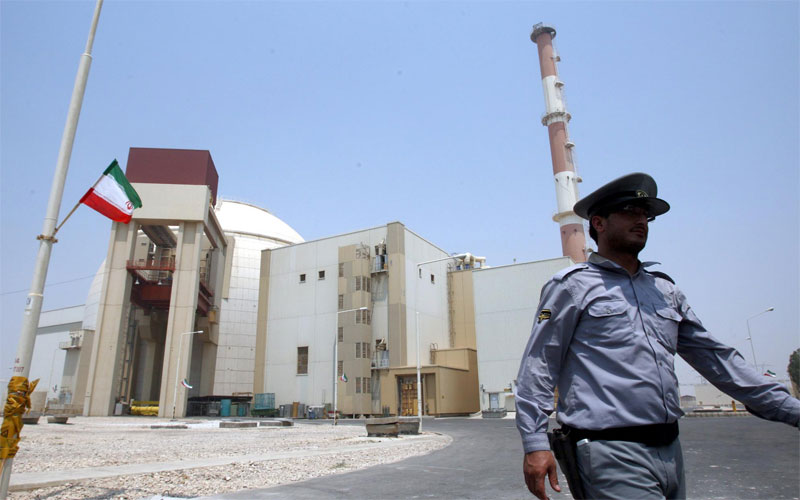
{"type": "Point", "coordinates": [338, 116]}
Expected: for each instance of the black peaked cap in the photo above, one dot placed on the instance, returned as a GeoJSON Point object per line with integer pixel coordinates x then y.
{"type": "Point", "coordinates": [637, 187]}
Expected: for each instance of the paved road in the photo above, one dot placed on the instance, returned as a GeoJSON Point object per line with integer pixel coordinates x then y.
{"type": "Point", "coordinates": [726, 458]}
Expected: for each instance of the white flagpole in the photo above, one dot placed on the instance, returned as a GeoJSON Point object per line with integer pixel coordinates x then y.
{"type": "Point", "coordinates": [33, 304]}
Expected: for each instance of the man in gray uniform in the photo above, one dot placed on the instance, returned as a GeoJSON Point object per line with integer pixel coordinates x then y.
{"type": "Point", "coordinates": [606, 334]}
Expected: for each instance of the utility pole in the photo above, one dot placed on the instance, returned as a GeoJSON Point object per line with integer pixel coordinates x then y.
{"type": "Point", "coordinates": [18, 386]}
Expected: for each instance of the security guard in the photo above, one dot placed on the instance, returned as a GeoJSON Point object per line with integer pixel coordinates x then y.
{"type": "Point", "coordinates": [606, 334]}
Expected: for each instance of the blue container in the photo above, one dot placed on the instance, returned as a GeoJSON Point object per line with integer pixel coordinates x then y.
{"type": "Point", "coordinates": [243, 407]}
{"type": "Point", "coordinates": [225, 408]}
{"type": "Point", "coordinates": [264, 401]}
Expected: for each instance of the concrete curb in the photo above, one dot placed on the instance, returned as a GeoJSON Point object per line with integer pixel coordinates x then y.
{"type": "Point", "coordinates": [34, 480]}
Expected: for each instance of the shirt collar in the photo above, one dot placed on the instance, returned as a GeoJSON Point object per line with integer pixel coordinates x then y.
{"type": "Point", "coordinates": [598, 260]}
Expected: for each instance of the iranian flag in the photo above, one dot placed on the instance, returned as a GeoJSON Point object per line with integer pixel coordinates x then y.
{"type": "Point", "coordinates": [112, 195]}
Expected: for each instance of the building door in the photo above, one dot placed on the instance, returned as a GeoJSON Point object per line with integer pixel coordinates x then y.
{"type": "Point", "coordinates": [408, 395]}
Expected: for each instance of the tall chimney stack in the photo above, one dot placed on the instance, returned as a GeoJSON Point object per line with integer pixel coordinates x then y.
{"type": "Point", "coordinates": [573, 239]}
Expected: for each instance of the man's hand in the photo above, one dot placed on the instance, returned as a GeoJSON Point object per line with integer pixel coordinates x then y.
{"type": "Point", "coordinates": [536, 465]}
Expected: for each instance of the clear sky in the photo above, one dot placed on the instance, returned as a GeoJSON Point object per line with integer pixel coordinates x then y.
{"type": "Point", "coordinates": [338, 116]}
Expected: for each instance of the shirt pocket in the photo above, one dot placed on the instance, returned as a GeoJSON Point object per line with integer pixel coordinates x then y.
{"type": "Point", "coordinates": [606, 308]}
{"type": "Point", "coordinates": [666, 325]}
{"type": "Point", "coordinates": [607, 321]}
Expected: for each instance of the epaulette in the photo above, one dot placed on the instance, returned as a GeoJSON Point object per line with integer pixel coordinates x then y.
{"type": "Point", "coordinates": [562, 274]}
{"type": "Point", "coordinates": [661, 275]}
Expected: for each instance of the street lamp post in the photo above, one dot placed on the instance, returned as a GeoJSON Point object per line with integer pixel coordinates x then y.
{"type": "Point", "coordinates": [336, 363]}
{"type": "Point", "coordinates": [750, 336]}
{"type": "Point", "coordinates": [178, 371]}
{"type": "Point", "coordinates": [419, 366]}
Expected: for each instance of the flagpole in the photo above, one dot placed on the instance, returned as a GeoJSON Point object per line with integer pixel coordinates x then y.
{"type": "Point", "coordinates": [33, 303]}
{"type": "Point", "coordinates": [77, 204]}
{"type": "Point", "coordinates": [65, 219]}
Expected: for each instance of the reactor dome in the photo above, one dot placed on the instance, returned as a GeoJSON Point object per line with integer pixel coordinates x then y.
{"type": "Point", "coordinates": [246, 219]}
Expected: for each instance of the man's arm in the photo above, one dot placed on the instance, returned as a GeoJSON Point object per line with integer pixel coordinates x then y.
{"type": "Point", "coordinates": [727, 370]}
{"type": "Point", "coordinates": [556, 318]}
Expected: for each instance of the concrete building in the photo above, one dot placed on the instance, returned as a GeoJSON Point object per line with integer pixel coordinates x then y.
{"type": "Point", "coordinates": [361, 295]}
{"type": "Point", "coordinates": [186, 262]}
{"type": "Point", "coordinates": [229, 298]}
{"type": "Point", "coordinates": [58, 339]}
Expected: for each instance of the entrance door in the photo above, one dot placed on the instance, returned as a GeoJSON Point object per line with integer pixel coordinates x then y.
{"type": "Point", "coordinates": [408, 395]}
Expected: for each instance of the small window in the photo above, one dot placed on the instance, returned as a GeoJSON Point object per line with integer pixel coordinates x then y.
{"type": "Point", "coordinates": [322, 275]}
{"type": "Point", "coordinates": [341, 270]}
{"type": "Point", "coordinates": [341, 302]}
{"type": "Point", "coordinates": [358, 385]}
{"type": "Point", "coordinates": [358, 317]}
{"type": "Point", "coordinates": [433, 279]}
{"type": "Point", "coordinates": [358, 349]}
{"type": "Point", "coordinates": [339, 368]}
{"type": "Point", "coordinates": [341, 334]}
{"type": "Point", "coordinates": [358, 283]}
{"type": "Point", "coordinates": [365, 349]}
{"type": "Point", "coordinates": [302, 278]}
{"type": "Point", "coordinates": [302, 360]}
{"type": "Point", "coordinates": [367, 385]}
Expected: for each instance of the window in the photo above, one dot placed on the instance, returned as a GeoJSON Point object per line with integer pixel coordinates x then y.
{"type": "Point", "coordinates": [302, 360]}
{"type": "Point", "coordinates": [433, 280]}
{"type": "Point", "coordinates": [365, 349]}
{"type": "Point", "coordinates": [363, 385]}
{"type": "Point", "coordinates": [341, 334]}
{"type": "Point", "coordinates": [358, 349]}
{"type": "Point", "coordinates": [364, 317]}
{"type": "Point", "coordinates": [322, 275]}
{"type": "Point", "coordinates": [341, 270]}
{"type": "Point", "coordinates": [339, 368]}
{"type": "Point", "coordinates": [358, 283]}
{"type": "Point", "coordinates": [302, 278]}
{"type": "Point", "coordinates": [341, 302]}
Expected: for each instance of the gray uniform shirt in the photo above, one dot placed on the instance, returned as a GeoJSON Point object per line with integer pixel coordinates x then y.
{"type": "Point", "coordinates": [608, 341]}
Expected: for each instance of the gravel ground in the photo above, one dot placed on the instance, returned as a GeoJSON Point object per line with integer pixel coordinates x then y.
{"type": "Point", "coordinates": [87, 442]}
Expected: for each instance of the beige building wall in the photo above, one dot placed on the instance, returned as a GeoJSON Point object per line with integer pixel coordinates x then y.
{"type": "Point", "coordinates": [462, 308]}
{"type": "Point", "coordinates": [112, 319]}
{"type": "Point", "coordinates": [449, 384]}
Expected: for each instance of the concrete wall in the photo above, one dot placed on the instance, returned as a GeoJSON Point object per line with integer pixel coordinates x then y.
{"type": "Point", "coordinates": [506, 299]}
{"type": "Point", "coordinates": [49, 360]}
{"type": "Point", "coordinates": [462, 308]}
{"type": "Point", "coordinates": [305, 314]}
{"type": "Point", "coordinates": [456, 387]}
{"type": "Point", "coordinates": [429, 299]}
{"type": "Point", "coordinates": [236, 351]}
